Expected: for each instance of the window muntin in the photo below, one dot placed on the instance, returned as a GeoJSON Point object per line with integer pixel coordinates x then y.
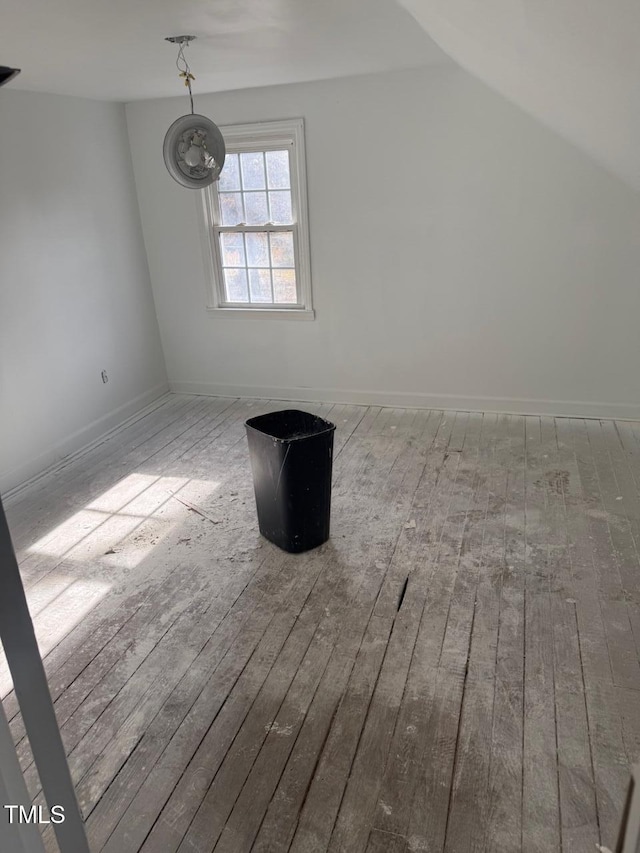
{"type": "Point", "coordinates": [258, 266]}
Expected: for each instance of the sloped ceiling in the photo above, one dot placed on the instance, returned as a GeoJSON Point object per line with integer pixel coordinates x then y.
{"type": "Point", "coordinates": [573, 64]}
{"type": "Point", "coordinates": [115, 49]}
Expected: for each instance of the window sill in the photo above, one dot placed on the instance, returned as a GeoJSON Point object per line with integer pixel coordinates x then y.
{"type": "Point", "coordinates": [276, 313]}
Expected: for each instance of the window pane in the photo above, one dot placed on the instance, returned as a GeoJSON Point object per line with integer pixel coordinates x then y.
{"type": "Point", "coordinates": [278, 170]}
{"type": "Point", "coordinates": [235, 282]}
{"type": "Point", "coordinates": [232, 250]}
{"type": "Point", "coordinates": [282, 249]}
{"type": "Point", "coordinates": [252, 171]}
{"type": "Point", "coordinates": [260, 284]}
{"type": "Point", "coordinates": [231, 207]}
{"type": "Point", "coordinates": [257, 250]}
{"type": "Point", "coordinates": [256, 208]}
{"type": "Point", "coordinates": [284, 286]}
{"type": "Point", "coordinates": [281, 208]}
{"type": "Point", "coordinates": [230, 175]}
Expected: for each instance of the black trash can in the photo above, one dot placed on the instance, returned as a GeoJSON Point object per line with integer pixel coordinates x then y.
{"type": "Point", "coordinates": [291, 458]}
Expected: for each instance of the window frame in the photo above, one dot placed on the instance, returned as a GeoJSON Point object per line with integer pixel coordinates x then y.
{"type": "Point", "coordinates": [286, 134]}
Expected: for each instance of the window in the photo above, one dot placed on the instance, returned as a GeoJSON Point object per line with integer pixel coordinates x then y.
{"type": "Point", "coordinates": [256, 222]}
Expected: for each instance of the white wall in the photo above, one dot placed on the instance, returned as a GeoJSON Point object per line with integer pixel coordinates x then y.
{"type": "Point", "coordinates": [573, 65]}
{"type": "Point", "coordinates": [75, 296]}
{"type": "Point", "coordinates": [462, 255]}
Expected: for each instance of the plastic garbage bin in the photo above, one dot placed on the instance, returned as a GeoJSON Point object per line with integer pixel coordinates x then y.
{"type": "Point", "coordinates": [291, 458]}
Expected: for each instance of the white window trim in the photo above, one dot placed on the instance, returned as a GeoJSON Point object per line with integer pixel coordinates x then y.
{"type": "Point", "coordinates": [288, 133]}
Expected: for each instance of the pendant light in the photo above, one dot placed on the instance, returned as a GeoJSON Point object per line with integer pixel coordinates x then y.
{"type": "Point", "coordinates": [194, 149]}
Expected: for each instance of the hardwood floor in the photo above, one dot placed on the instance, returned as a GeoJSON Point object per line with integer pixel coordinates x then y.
{"type": "Point", "coordinates": [456, 670]}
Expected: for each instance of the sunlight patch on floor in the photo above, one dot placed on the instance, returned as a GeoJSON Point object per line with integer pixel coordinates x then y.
{"type": "Point", "coordinates": [60, 618]}
{"type": "Point", "coordinates": [116, 531]}
{"type": "Point", "coordinates": [139, 504]}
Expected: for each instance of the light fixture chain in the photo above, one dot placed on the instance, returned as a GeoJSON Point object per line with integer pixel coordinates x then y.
{"type": "Point", "coordinates": [185, 71]}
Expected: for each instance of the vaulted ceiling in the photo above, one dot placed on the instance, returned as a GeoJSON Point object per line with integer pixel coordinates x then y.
{"type": "Point", "coordinates": [574, 64]}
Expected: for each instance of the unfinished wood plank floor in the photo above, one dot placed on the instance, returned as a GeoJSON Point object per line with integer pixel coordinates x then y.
{"type": "Point", "coordinates": [456, 670]}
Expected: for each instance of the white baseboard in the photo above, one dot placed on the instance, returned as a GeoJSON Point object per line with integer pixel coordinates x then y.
{"type": "Point", "coordinates": [14, 481]}
{"type": "Point", "coordinates": [502, 405]}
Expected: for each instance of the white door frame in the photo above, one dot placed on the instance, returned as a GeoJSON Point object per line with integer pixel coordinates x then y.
{"type": "Point", "coordinates": [16, 837]}
{"type": "Point", "coordinates": [32, 691]}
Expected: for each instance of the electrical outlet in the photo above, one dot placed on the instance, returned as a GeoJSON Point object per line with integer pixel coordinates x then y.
{"type": "Point", "coordinates": [105, 378]}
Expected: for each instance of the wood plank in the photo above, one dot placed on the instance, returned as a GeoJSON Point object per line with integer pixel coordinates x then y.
{"type": "Point", "coordinates": [466, 820]}
{"type": "Point", "coordinates": [325, 792]}
{"type": "Point", "coordinates": [541, 803]}
{"type": "Point", "coordinates": [356, 809]}
{"type": "Point", "coordinates": [282, 816]}
{"type": "Point", "coordinates": [612, 501]}
{"type": "Point", "coordinates": [608, 752]}
{"type": "Point", "coordinates": [420, 782]}
{"type": "Point", "coordinates": [579, 825]}
{"type": "Point", "coordinates": [585, 573]}
{"type": "Point", "coordinates": [405, 755]}
{"type": "Point", "coordinates": [468, 801]}
{"type": "Point", "coordinates": [610, 759]}
{"type": "Point", "coordinates": [264, 719]}
{"type": "Point", "coordinates": [599, 533]}
{"type": "Point", "coordinates": [265, 814]}
{"type": "Point", "coordinates": [544, 516]}
{"type": "Point", "coordinates": [281, 819]}
{"type": "Point", "coordinates": [504, 821]}
{"type": "Point", "coordinates": [428, 822]}
{"type": "Point", "coordinates": [383, 842]}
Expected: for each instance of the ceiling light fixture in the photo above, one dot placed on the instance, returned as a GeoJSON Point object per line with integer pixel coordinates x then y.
{"type": "Point", "coordinates": [7, 74]}
{"type": "Point", "coordinates": [194, 149]}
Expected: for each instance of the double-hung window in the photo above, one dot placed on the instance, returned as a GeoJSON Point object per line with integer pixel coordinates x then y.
{"type": "Point", "coordinates": [256, 221]}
